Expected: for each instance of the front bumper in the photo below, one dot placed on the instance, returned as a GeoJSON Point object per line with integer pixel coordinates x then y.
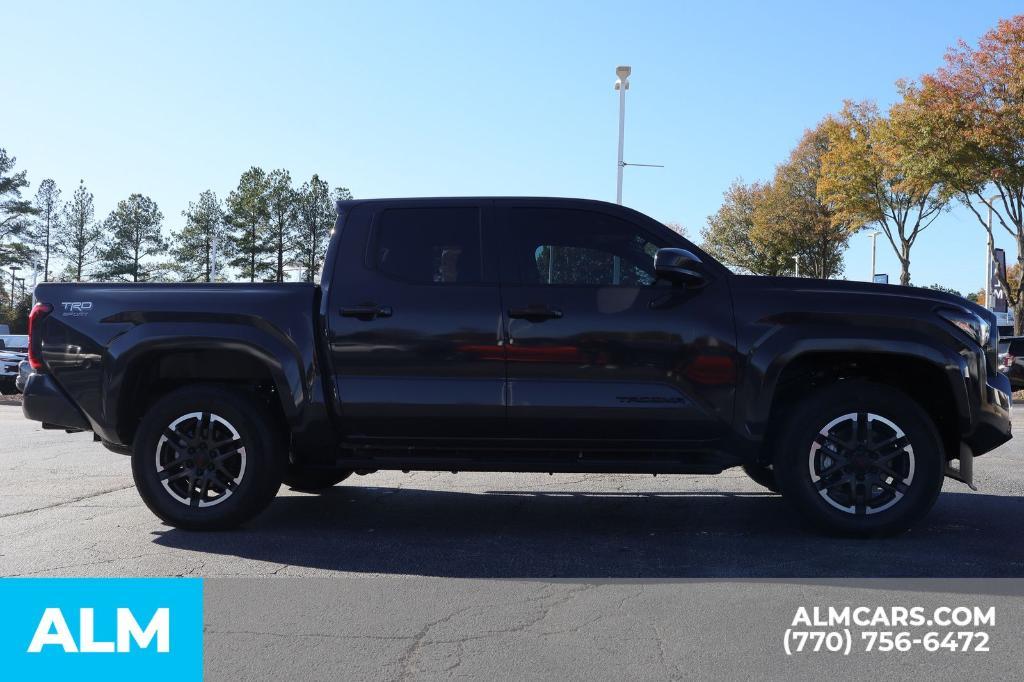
{"type": "Point", "coordinates": [44, 401]}
{"type": "Point", "coordinates": [9, 364]}
{"type": "Point", "coordinates": [992, 425]}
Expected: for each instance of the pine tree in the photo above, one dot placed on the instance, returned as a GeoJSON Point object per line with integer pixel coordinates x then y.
{"type": "Point", "coordinates": [15, 212]}
{"type": "Point", "coordinates": [47, 222]}
{"type": "Point", "coordinates": [132, 235]}
{"type": "Point", "coordinates": [312, 231]}
{"type": "Point", "coordinates": [193, 247]}
{"type": "Point", "coordinates": [78, 236]}
{"type": "Point", "coordinates": [282, 204]}
{"type": "Point", "coordinates": [248, 214]}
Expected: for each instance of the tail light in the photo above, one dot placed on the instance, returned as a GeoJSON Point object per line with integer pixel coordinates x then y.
{"type": "Point", "coordinates": [1008, 360]}
{"type": "Point", "coordinates": [39, 311]}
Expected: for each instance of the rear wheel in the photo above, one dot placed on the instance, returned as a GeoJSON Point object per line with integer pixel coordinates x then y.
{"type": "Point", "coordinates": [207, 458]}
{"type": "Point", "coordinates": [858, 458]}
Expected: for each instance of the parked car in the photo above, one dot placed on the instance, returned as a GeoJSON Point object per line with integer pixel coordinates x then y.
{"type": "Point", "coordinates": [9, 369]}
{"type": "Point", "coordinates": [1011, 360]}
{"type": "Point", "coordinates": [501, 334]}
{"type": "Point", "coordinates": [14, 342]}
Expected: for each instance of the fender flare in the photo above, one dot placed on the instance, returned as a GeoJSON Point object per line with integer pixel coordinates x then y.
{"type": "Point", "coordinates": [272, 349]}
{"type": "Point", "coordinates": [767, 360]}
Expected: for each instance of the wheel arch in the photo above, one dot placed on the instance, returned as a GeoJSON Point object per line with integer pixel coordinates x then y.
{"type": "Point", "coordinates": [930, 375]}
{"type": "Point", "coordinates": [140, 373]}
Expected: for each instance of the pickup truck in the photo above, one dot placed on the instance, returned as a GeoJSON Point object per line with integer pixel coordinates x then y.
{"type": "Point", "coordinates": [541, 335]}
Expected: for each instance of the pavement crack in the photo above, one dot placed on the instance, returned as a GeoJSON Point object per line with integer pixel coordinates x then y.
{"type": "Point", "coordinates": [63, 503]}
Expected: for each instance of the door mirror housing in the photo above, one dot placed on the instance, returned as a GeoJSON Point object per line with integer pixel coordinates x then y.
{"type": "Point", "coordinates": [680, 266]}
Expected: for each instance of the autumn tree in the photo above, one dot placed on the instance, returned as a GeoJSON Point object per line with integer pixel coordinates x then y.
{"type": "Point", "coordinates": [78, 236]}
{"type": "Point", "coordinates": [132, 235]}
{"type": "Point", "coordinates": [15, 212]}
{"type": "Point", "coordinates": [192, 248]}
{"type": "Point", "coordinates": [869, 176]}
{"type": "Point", "coordinates": [248, 215]}
{"type": "Point", "coordinates": [791, 218]}
{"type": "Point", "coordinates": [282, 210]}
{"type": "Point", "coordinates": [47, 222]}
{"type": "Point", "coordinates": [727, 234]}
{"type": "Point", "coordinates": [312, 229]}
{"type": "Point", "coordinates": [971, 116]}
{"type": "Point", "coordinates": [679, 229]}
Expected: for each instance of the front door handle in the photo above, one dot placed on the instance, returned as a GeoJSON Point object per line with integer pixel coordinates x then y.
{"type": "Point", "coordinates": [535, 313]}
{"type": "Point", "coordinates": [366, 312]}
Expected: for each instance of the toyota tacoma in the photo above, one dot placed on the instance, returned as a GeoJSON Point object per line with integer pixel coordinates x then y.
{"type": "Point", "coordinates": [542, 335]}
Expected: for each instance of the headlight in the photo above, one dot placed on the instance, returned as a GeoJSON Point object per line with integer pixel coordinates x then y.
{"type": "Point", "coordinates": [973, 325]}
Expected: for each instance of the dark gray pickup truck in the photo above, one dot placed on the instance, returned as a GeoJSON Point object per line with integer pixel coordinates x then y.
{"type": "Point", "coordinates": [503, 334]}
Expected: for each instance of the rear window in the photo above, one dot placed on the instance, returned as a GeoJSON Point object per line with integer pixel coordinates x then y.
{"type": "Point", "coordinates": [428, 245]}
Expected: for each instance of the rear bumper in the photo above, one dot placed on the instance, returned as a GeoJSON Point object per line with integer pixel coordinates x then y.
{"type": "Point", "coordinates": [44, 401]}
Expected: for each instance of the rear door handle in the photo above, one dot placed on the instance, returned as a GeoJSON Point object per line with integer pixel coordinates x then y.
{"type": "Point", "coordinates": [535, 313]}
{"type": "Point", "coordinates": [366, 312]}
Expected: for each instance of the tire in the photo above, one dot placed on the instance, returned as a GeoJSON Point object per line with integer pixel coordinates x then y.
{"type": "Point", "coordinates": [309, 480]}
{"type": "Point", "coordinates": [874, 486]}
{"type": "Point", "coordinates": [250, 453]}
{"type": "Point", "coordinates": [763, 476]}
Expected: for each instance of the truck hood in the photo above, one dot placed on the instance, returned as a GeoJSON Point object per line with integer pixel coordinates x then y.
{"type": "Point", "coordinates": [882, 296]}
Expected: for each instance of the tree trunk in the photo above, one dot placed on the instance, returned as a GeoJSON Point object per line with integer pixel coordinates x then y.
{"type": "Point", "coordinates": [905, 263]}
{"type": "Point", "coordinates": [280, 255]}
{"type": "Point", "coordinates": [46, 256]}
{"type": "Point", "coordinates": [1018, 316]}
{"type": "Point", "coordinates": [252, 257]}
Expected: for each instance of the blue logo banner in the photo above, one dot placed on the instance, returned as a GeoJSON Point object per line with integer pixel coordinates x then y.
{"type": "Point", "coordinates": [102, 628]}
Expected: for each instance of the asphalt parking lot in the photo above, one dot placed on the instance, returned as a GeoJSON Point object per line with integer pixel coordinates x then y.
{"type": "Point", "coordinates": [496, 575]}
{"type": "Point", "coordinates": [68, 507]}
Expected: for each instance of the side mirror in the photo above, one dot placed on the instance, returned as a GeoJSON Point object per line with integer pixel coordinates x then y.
{"type": "Point", "coordinates": [679, 266]}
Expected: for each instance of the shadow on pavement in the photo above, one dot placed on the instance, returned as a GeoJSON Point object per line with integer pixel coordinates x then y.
{"type": "Point", "coordinates": [548, 534]}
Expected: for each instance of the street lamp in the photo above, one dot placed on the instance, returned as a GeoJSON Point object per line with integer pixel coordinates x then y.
{"type": "Point", "coordinates": [874, 236]}
{"type": "Point", "coordinates": [622, 84]}
{"type": "Point", "coordinates": [989, 257]}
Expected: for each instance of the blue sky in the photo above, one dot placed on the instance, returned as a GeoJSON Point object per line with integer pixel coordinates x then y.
{"type": "Point", "coordinates": [451, 98]}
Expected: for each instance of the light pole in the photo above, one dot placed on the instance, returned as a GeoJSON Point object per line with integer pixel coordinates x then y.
{"type": "Point", "coordinates": [874, 236]}
{"type": "Point", "coordinates": [14, 269]}
{"type": "Point", "coordinates": [622, 84]}
{"type": "Point", "coordinates": [989, 250]}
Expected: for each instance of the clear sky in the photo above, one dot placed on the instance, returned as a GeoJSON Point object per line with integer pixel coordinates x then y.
{"type": "Point", "coordinates": [450, 98]}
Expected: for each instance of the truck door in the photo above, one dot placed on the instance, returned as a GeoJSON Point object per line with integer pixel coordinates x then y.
{"type": "Point", "coordinates": [415, 323]}
{"type": "Point", "coordinates": [598, 348]}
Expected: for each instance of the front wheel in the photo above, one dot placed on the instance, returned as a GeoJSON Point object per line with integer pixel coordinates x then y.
{"type": "Point", "coordinates": [858, 458]}
{"type": "Point", "coordinates": [207, 458]}
{"type": "Point", "coordinates": [763, 476]}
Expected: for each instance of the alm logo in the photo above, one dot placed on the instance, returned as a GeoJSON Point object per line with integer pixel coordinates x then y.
{"type": "Point", "coordinates": [53, 630]}
{"type": "Point", "coordinates": [102, 628]}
